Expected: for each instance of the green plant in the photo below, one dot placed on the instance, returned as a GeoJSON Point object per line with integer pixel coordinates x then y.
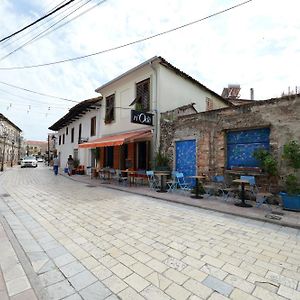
{"type": "Point", "coordinates": [161, 160]}
{"type": "Point", "coordinates": [291, 153]}
{"type": "Point", "coordinates": [267, 161]}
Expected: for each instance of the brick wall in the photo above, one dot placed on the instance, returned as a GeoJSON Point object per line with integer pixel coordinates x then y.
{"type": "Point", "coordinates": [282, 115]}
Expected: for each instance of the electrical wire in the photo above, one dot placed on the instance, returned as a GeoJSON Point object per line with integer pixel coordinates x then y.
{"type": "Point", "coordinates": [129, 43]}
{"type": "Point", "coordinates": [46, 31]}
{"type": "Point", "coordinates": [36, 21]}
{"type": "Point", "coordinates": [10, 42]}
{"type": "Point", "coordinates": [38, 93]}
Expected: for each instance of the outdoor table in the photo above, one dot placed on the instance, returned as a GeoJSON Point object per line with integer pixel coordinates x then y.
{"type": "Point", "coordinates": [162, 186]}
{"type": "Point", "coordinates": [242, 182]}
{"type": "Point", "coordinates": [197, 177]}
{"type": "Point", "coordinates": [130, 175]}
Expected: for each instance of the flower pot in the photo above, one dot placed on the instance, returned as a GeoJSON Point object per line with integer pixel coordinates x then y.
{"type": "Point", "coordinates": [290, 202]}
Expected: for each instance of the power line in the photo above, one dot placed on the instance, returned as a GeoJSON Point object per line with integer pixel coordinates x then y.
{"type": "Point", "coordinates": [41, 35]}
{"type": "Point", "coordinates": [130, 43]}
{"type": "Point", "coordinates": [7, 43]}
{"type": "Point", "coordinates": [36, 21]}
{"type": "Point", "coordinates": [38, 93]}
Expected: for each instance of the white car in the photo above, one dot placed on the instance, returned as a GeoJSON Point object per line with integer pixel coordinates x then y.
{"type": "Point", "coordinates": [40, 159]}
{"type": "Point", "coordinates": [29, 161]}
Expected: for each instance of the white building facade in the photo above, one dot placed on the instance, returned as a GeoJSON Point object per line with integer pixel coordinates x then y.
{"type": "Point", "coordinates": [152, 88]}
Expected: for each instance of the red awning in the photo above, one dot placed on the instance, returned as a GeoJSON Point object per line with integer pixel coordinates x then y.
{"type": "Point", "coordinates": [118, 139]}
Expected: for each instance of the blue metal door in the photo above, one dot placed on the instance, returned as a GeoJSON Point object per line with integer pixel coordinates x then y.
{"type": "Point", "coordinates": [242, 144]}
{"type": "Point", "coordinates": [186, 157]}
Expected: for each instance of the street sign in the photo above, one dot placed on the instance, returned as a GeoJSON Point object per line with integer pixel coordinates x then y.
{"type": "Point", "coordinates": [141, 118]}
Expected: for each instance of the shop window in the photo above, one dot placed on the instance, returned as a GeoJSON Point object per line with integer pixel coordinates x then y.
{"type": "Point", "coordinates": [93, 126]}
{"type": "Point", "coordinates": [110, 109]}
{"type": "Point", "coordinates": [72, 135]}
{"type": "Point", "coordinates": [142, 100]}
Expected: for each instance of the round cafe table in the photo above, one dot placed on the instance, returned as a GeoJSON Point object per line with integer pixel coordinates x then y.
{"type": "Point", "coordinates": [162, 174]}
{"type": "Point", "coordinates": [197, 178]}
{"type": "Point", "coordinates": [242, 182]}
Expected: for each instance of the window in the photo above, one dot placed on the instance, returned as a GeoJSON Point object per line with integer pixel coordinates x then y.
{"type": "Point", "coordinates": [142, 100]}
{"type": "Point", "coordinates": [59, 140]}
{"type": "Point", "coordinates": [93, 126]}
{"type": "Point", "coordinates": [72, 135]}
{"type": "Point", "coordinates": [63, 138]}
{"type": "Point", "coordinates": [79, 134]}
{"type": "Point", "coordinates": [209, 104]}
{"type": "Point", "coordinates": [109, 157]}
{"type": "Point", "coordinates": [110, 109]}
{"type": "Point", "coordinates": [67, 131]}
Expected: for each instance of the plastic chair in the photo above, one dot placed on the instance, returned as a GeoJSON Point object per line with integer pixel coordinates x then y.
{"type": "Point", "coordinates": [153, 183]}
{"type": "Point", "coordinates": [180, 182]}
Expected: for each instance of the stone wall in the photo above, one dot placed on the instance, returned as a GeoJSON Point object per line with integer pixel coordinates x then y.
{"type": "Point", "coordinates": [281, 115]}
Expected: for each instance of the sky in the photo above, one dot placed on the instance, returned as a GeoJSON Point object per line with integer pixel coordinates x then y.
{"type": "Point", "coordinates": [256, 45]}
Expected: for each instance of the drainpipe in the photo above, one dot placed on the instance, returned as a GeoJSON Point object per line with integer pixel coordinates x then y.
{"type": "Point", "coordinates": [155, 109]}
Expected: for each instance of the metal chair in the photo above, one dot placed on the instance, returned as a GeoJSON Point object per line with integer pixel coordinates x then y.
{"type": "Point", "coordinates": [140, 176]}
{"type": "Point", "coordinates": [152, 180]}
{"type": "Point", "coordinates": [172, 184]}
{"type": "Point", "coordinates": [181, 183]}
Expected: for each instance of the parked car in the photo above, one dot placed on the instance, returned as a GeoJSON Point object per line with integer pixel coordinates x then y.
{"type": "Point", "coordinates": [29, 161]}
{"type": "Point", "coordinates": [40, 159]}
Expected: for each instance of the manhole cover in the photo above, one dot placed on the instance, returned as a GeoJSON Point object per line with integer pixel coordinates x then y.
{"type": "Point", "coordinates": [5, 195]}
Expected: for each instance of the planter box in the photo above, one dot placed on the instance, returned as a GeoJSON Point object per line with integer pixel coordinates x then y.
{"type": "Point", "coordinates": [290, 202]}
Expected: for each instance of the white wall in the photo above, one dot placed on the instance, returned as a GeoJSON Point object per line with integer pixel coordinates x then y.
{"type": "Point", "coordinates": [68, 148]}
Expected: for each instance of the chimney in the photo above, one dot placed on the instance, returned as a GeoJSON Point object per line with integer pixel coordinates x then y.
{"type": "Point", "coordinates": [252, 94]}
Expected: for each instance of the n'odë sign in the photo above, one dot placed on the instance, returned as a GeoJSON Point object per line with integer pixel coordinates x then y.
{"type": "Point", "coordinates": [141, 118]}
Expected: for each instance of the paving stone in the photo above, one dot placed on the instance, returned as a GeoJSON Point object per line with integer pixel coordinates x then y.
{"type": "Point", "coordinates": [137, 282]}
{"type": "Point", "coordinates": [129, 294]}
{"type": "Point", "coordinates": [17, 285]}
{"type": "Point", "coordinates": [280, 279]}
{"type": "Point", "coordinates": [96, 291]}
{"type": "Point", "coordinates": [176, 276]}
{"type": "Point", "coordinates": [289, 293]}
{"type": "Point", "coordinates": [159, 280]}
{"type": "Point", "coordinates": [141, 269]}
{"type": "Point", "coordinates": [115, 284]}
{"type": "Point", "coordinates": [74, 297]}
{"type": "Point", "coordinates": [175, 263]}
{"type": "Point", "coordinates": [241, 295]}
{"type": "Point", "coordinates": [82, 280]}
{"type": "Point", "coordinates": [239, 283]}
{"type": "Point", "coordinates": [101, 272]}
{"type": "Point", "coordinates": [3, 295]}
{"type": "Point", "coordinates": [235, 271]}
{"type": "Point", "coordinates": [26, 295]}
{"type": "Point", "coordinates": [177, 292]}
{"type": "Point", "coordinates": [51, 277]}
{"type": "Point", "coordinates": [64, 259]}
{"type": "Point", "coordinates": [72, 269]}
{"type": "Point", "coordinates": [152, 292]}
{"type": "Point", "coordinates": [198, 288]}
{"type": "Point", "coordinates": [15, 271]}
{"type": "Point", "coordinates": [211, 270]}
{"type": "Point", "coordinates": [264, 294]}
{"type": "Point", "coordinates": [157, 265]}
{"type": "Point", "coordinates": [60, 290]}
{"type": "Point", "coordinates": [218, 285]}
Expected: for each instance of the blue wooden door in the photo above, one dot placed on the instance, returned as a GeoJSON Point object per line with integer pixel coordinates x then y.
{"type": "Point", "coordinates": [242, 144]}
{"type": "Point", "coordinates": [186, 157]}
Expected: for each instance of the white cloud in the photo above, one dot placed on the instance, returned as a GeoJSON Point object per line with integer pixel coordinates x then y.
{"type": "Point", "coordinates": [256, 45]}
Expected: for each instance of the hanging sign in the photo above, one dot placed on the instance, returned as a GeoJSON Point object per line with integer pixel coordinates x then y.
{"type": "Point", "coordinates": [141, 118]}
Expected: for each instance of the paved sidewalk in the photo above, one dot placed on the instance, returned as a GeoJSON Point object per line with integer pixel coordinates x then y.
{"type": "Point", "coordinates": [14, 283]}
{"type": "Point", "coordinates": [276, 215]}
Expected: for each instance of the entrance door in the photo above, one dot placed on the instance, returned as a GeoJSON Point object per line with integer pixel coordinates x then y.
{"type": "Point", "coordinates": [142, 155]}
{"type": "Point", "coordinates": [186, 157]}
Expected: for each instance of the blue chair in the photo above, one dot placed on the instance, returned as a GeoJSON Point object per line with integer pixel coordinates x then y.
{"type": "Point", "coordinates": [152, 180]}
{"type": "Point", "coordinates": [181, 183]}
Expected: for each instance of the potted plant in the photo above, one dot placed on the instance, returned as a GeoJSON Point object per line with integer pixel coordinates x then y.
{"type": "Point", "coordinates": [161, 162]}
{"type": "Point", "coordinates": [291, 196]}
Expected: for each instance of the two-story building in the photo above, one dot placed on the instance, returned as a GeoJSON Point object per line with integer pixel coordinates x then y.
{"type": "Point", "coordinates": [124, 130]}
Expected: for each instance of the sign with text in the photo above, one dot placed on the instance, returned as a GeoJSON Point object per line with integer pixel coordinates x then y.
{"type": "Point", "coordinates": [141, 118]}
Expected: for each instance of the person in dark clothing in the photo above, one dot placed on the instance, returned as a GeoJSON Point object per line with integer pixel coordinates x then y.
{"type": "Point", "coordinates": [70, 165]}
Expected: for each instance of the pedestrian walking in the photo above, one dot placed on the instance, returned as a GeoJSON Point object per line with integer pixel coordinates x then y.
{"type": "Point", "coordinates": [70, 165]}
{"type": "Point", "coordinates": [55, 165]}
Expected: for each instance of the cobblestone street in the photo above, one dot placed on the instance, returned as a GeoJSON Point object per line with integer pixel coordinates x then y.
{"type": "Point", "coordinates": [73, 241]}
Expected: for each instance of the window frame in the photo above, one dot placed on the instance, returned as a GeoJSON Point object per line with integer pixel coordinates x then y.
{"type": "Point", "coordinates": [93, 126]}
{"type": "Point", "coordinates": [110, 109]}
{"type": "Point", "coordinates": [72, 135]}
{"type": "Point", "coordinates": [140, 95]}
